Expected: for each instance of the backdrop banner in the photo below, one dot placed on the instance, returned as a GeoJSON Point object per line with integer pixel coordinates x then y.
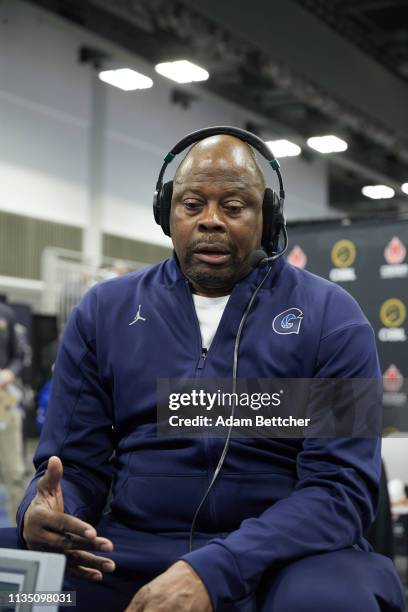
{"type": "Point", "coordinates": [369, 260]}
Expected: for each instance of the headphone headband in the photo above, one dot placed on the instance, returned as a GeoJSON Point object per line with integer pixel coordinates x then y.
{"type": "Point", "coordinates": [248, 137]}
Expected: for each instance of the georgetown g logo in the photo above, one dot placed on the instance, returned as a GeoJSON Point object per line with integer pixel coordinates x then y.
{"type": "Point", "coordinates": [288, 321]}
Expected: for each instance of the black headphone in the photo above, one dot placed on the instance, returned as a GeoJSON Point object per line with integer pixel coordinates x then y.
{"type": "Point", "coordinates": [273, 203]}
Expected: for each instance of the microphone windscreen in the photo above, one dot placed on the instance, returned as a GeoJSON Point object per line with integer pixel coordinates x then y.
{"type": "Point", "coordinates": [257, 257]}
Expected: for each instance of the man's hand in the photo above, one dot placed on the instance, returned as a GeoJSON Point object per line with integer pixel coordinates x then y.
{"type": "Point", "coordinates": [179, 589]}
{"type": "Point", "coordinates": [46, 527]}
{"type": "Point", "coordinates": [6, 377]}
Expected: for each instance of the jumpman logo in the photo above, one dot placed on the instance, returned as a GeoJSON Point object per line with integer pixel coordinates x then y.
{"type": "Point", "coordinates": [138, 316]}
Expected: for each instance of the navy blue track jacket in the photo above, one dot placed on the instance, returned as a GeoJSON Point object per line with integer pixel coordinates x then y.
{"type": "Point", "coordinates": [276, 500]}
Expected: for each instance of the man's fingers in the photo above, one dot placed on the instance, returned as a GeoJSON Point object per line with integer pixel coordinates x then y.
{"type": "Point", "coordinates": [89, 560]}
{"type": "Point", "coordinates": [56, 530]}
{"type": "Point", "coordinates": [88, 566]}
{"type": "Point", "coordinates": [50, 481]}
{"type": "Point", "coordinates": [102, 544]}
{"type": "Point", "coordinates": [68, 541]}
{"type": "Point", "coordinates": [62, 523]}
{"type": "Point", "coordinates": [85, 573]}
{"type": "Point", "coordinates": [51, 541]}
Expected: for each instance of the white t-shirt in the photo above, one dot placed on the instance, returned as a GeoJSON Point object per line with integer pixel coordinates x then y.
{"type": "Point", "coordinates": [209, 312]}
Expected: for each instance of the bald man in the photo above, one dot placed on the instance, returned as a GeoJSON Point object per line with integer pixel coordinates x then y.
{"type": "Point", "coordinates": [283, 527]}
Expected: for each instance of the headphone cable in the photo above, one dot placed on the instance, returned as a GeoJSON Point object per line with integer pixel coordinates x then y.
{"type": "Point", "coordinates": [234, 385]}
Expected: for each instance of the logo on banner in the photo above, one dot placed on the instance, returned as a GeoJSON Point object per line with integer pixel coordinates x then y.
{"type": "Point", "coordinates": [395, 251]}
{"type": "Point", "coordinates": [393, 313]}
{"type": "Point", "coordinates": [393, 379]}
{"type": "Point", "coordinates": [394, 254]}
{"type": "Point", "coordinates": [393, 382]}
{"type": "Point", "coordinates": [343, 255]}
{"type": "Point", "coordinates": [288, 321]}
{"type": "Point", "coordinates": [297, 257]}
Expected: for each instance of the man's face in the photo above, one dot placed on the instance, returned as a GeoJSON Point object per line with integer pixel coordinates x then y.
{"type": "Point", "coordinates": [216, 214]}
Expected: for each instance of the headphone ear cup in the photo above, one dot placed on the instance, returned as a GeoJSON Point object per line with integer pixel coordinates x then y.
{"type": "Point", "coordinates": [165, 196]}
{"type": "Point", "coordinates": [156, 207]}
{"type": "Point", "coordinates": [268, 214]}
{"type": "Point", "coordinates": [278, 220]}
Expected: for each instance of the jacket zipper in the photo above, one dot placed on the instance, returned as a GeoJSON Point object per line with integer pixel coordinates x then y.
{"type": "Point", "coordinates": [202, 359]}
{"type": "Point", "coordinates": [203, 351]}
{"type": "Point", "coordinates": [198, 374]}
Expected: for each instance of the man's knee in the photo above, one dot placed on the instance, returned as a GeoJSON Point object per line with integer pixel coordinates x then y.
{"type": "Point", "coordinates": [110, 595]}
{"type": "Point", "coordinates": [338, 581]}
{"type": "Point", "coordinates": [9, 538]}
{"type": "Point", "coordinates": [319, 596]}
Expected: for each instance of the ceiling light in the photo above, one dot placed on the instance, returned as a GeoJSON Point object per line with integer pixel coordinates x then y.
{"type": "Point", "coordinates": [182, 71]}
{"type": "Point", "coordinates": [126, 79]}
{"type": "Point", "coordinates": [378, 192]}
{"type": "Point", "coordinates": [404, 187]}
{"type": "Point", "coordinates": [327, 144]}
{"type": "Point", "coordinates": [283, 148]}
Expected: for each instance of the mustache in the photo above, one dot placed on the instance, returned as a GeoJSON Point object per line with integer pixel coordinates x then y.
{"type": "Point", "coordinates": [210, 240]}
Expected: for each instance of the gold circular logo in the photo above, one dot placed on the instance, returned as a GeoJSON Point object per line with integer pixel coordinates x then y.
{"type": "Point", "coordinates": [343, 254]}
{"type": "Point", "coordinates": [393, 313]}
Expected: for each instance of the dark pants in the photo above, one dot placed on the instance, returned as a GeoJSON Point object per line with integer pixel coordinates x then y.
{"type": "Point", "coordinates": [347, 580]}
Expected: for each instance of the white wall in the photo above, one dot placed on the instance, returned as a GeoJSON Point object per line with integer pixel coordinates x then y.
{"type": "Point", "coordinates": [395, 455]}
{"type": "Point", "coordinates": [44, 122]}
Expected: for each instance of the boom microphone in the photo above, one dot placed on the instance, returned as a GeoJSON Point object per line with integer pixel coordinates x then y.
{"type": "Point", "coordinates": [258, 258]}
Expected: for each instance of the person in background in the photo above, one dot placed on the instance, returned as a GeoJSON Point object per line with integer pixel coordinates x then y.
{"type": "Point", "coordinates": [11, 438]}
